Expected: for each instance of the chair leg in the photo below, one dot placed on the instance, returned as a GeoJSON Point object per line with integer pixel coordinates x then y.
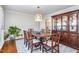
{"type": "Point", "coordinates": [28, 45]}
{"type": "Point", "coordinates": [24, 41]}
{"type": "Point", "coordinates": [52, 49]}
{"type": "Point", "coordinates": [42, 49]}
{"type": "Point", "coordinates": [58, 49]}
{"type": "Point", "coordinates": [31, 48]}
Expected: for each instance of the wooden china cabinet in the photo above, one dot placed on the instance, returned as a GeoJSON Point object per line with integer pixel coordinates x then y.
{"type": "Point", "coordinates": [68, 25]}
{"type": "Point", "coordinates": [78, 31]}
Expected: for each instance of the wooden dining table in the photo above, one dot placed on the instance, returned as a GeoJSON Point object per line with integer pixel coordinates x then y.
{"type": "Point", "coordinates": [42, 37]}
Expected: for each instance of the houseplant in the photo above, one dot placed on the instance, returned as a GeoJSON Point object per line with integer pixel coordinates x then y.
{"type": "Point", "coordinates": [13, 32]}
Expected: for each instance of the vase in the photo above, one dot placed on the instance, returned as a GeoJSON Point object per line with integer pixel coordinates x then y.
{"type": "Point", "coordinates": [12, 37]}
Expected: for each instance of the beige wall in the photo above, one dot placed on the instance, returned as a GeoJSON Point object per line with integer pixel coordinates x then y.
{"type": "Point", "coordinates": [1, 27]}
{"type": "Point", "coordinates": [21, 20]}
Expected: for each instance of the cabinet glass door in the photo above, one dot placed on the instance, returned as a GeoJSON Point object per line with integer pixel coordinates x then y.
{"type": "Point", "coordinates": [54, 24]}
{"type": "Point", "coordinates": [59, 24]}
{"type": "Point", "coordinates": [64, 22]}
{"type": "Point", "coordinates": [73, 22]}
{"type": "Point", "coordinates": [78, 22]}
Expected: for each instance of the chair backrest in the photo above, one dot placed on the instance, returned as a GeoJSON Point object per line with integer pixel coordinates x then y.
{"type": "Point", "coordinates": [56, 38]}
{"type": "Point", "coordinates": [29, 35]}
{"type": "Point", "coordinates": [25, 34]}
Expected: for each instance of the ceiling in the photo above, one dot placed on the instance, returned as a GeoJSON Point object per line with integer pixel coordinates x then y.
{"type": "Point", "coordinates": [31, 9]}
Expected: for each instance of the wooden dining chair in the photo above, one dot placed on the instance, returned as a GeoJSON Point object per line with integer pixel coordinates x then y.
{"type": "Point", "coordinates": [29, 38]}
{"type": "Point", "coordinates": [52, 45]}
{"type": "Point", "coordinates": [34, 43]}
{"type": "Point", "coordinates": [25, 37]}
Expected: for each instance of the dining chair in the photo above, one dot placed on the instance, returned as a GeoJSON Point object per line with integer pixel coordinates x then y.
{"type": "Point", "coordinates": [29, 38]}
{"type": "Point", "coordinates": [52, 45]}
{"type": "Point", "coordinates": [25, 37]}
{"type": "Point", "coordinates": [34, 43]}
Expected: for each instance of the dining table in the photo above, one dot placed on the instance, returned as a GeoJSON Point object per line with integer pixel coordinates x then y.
{"type": "Point", "coordinates": [42, 37]}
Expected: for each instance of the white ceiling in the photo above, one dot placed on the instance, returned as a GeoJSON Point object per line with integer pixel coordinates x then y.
{"type": "Point", "coordinates": [31, 9]}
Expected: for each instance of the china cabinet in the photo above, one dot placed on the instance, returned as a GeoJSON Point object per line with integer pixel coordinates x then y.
{"type": "Point", "coordinates": [78, 30]}
{"type": "Point", "coordinates": [64, 34]}
{"type": "Point", "coordinates": [64, 23]}
{"type": "Point", "coordinates": [59, 23]}
{"type": "Point", "coordinates": [54, 24]}
{"type": "Point", "coordinates": [73, 29]}
{"type": "Point", "coordinates": [68, 25]}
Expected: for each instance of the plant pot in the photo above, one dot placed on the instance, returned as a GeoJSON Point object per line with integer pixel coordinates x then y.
{"type": "Point", "coordinates": [11, 37]}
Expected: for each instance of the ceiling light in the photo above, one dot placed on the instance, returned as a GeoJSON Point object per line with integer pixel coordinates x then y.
{"type": "Point", "coordinates": [38, 16]}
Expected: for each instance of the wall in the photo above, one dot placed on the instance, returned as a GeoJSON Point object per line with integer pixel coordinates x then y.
{"type": "Point", "coordinates": [21, 20]}
{"type": "Point", "coordinates": [1, 27]}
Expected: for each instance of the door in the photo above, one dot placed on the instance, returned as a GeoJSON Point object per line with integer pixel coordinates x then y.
{"type": "Point", "coordinates": [73, 30]}
{"type": "Point", "coordinates": [64, 36]}
{"type": "Point", "coordinates": [78, 31]}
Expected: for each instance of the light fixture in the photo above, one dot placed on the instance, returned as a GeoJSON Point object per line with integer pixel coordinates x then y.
{"type": "Point", "coordinates": [38, 16]}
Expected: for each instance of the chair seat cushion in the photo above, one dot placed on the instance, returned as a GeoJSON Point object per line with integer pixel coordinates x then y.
{"type": "Point", "coordinates": [35, 41]}
{"type": "Point", "coordinates": [49, 43]}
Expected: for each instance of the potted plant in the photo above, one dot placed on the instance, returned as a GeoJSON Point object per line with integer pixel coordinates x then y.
{"type": "Point", "coordinates": [13, 32]}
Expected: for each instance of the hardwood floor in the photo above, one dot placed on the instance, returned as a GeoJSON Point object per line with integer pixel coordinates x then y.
{"type": "Point", "coordinates": [9, 47]}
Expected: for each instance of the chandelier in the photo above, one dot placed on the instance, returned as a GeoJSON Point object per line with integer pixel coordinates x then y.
{"type": "Point", "coordinates": [38, 16]}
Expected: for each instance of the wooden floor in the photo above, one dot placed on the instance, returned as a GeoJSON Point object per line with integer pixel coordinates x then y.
{"type": "Point", "coordinates": [9, 47]}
